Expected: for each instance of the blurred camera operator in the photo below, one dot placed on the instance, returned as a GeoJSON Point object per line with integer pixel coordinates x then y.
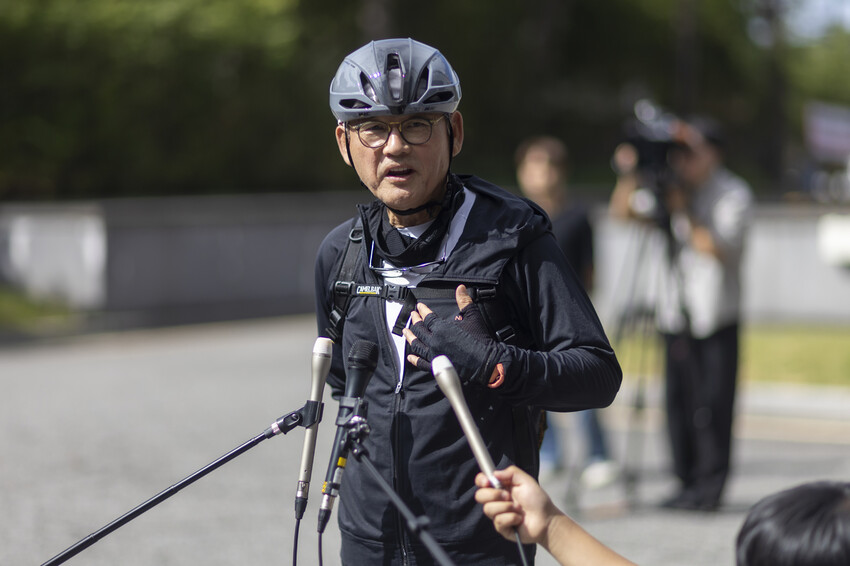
{"type": "Point", "coordinates": [704, 210]}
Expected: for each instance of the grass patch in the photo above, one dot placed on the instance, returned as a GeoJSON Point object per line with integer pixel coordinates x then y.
{"type": "Point", "coordinates": [817, 355]}
{"type": "Point", "coordinates": [18, 312]}
{"type": "Point", "coordinates": [796, 354]}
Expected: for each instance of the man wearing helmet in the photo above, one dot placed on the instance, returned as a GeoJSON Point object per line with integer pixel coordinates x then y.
{"type": "Point", "coordinates": [442, 264]}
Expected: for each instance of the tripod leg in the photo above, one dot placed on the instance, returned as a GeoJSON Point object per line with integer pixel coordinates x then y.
{"type": "Point", "coordinates": [636, 324]}
{"type": "Point", "coordinates": [635, 434]}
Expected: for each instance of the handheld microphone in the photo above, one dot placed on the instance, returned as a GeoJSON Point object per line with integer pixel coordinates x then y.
{"type": "Point", "coordinates": [447, 379]}
{"type": "Point", "coordinates": [321, 364]}
{"type": "Point", "coordinates": [362, 361]}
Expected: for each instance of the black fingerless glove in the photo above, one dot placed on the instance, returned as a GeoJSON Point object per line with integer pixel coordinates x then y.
{"type": "Point", "coordinates": [471, 320]}
{"type": "Point", "coordinates": [464, 340]}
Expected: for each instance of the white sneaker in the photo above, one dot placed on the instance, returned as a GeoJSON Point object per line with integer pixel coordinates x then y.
{"type": "Point", "coordinates": [600, 474]}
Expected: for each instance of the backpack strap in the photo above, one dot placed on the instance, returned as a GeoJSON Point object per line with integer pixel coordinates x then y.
{"type": "Point", "coordinates": [344, 288]}
{"type": "Point", "coordinates": [496, 318]}
{"type": "Point", "coordinates": [484, 297]}
{"type": "Point", "coordinates": [344, 283]}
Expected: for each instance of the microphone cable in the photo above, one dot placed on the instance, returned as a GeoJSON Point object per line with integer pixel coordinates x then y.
{"type": "Point", "coordinates": [520, 548]}
{"type": "Point", "coordinates": [295, 543]}
{"type": "Point", "coordinates": [321, 563]}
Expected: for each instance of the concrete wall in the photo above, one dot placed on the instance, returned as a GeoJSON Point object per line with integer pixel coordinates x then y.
{"type": "Point", "coordinates": [216, 258]}
{"type": "Point", "coordinates": [161, 261]}
{"type": "Point", "coordinates": [55, 252]}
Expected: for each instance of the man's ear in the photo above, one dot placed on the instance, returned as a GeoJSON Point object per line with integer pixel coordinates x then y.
{"type": "Point", "coordinates": [457, 129]}
{"type": "Point", "coordinates": [340, 142]}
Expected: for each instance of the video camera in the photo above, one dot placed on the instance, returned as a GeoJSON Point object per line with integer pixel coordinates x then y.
{"type": "Point", "coordinates": [652, 132]}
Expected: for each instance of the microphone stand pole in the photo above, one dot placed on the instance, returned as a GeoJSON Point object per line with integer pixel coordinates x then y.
{"type": "Point", "coordinates": [357, 431]}
{"type": "Point", "coordinates": [306, 416]}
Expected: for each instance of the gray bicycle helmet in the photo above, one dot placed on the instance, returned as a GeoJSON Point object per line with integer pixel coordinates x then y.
{"type": "Point", "coordinates": [393, 76]}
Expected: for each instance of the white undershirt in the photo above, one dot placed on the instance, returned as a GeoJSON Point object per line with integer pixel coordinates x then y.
{"type": "Point", "coordinates": [408, 279]}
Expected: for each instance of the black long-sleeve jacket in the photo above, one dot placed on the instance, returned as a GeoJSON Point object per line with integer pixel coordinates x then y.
{"type": "Point", "coordinates": [416, 442]}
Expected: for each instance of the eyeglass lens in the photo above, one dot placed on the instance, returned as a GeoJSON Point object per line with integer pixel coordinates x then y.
{"type": "Point", "coordinates": [414, 131]}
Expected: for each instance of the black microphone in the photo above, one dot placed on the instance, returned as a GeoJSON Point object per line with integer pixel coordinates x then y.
{"type": "Point", "coordinates": [447, 378]}
{"type": "Point", "coordinates": [362, 361]}
{"type": "Point", "coordinates": [321, 364]}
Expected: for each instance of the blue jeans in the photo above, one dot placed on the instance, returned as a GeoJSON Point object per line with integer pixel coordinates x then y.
{"type": "Point", "coordinates": [597, 447]}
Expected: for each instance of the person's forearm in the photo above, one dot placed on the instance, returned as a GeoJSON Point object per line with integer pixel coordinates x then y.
{"type": "Point", "coordinates": [703, 241]}
{"type": "Point", "coordinates": [619, 206]}
{"type": "Point", "coordinates": [571, 545]}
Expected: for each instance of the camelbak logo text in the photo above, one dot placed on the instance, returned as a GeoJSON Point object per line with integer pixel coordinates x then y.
{"type": "Point", "coordinates": [368, 290]}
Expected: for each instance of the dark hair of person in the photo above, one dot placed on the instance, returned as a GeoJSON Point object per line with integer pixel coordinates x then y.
{"type": "Point", "coordinates": [808, 525]}
{"type": "Point", "coordinates": [710, 129]}
{"type": "Point", "coordinates": [554, 148]}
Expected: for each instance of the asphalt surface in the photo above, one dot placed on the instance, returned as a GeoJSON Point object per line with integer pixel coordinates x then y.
{"type": "Point", "coordinates": [93, 426]}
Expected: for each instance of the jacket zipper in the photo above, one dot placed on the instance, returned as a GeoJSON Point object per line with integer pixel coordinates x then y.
{"type": "Point", "coordinates": [398, 395]}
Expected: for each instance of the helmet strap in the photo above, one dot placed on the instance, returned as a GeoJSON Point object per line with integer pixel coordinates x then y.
{"type": "Point", "coordinates": [348, 151]}
{"type": "Point", "coordinates": [451, 143]}
{"type": "Point", "coordinates": [409, 211]}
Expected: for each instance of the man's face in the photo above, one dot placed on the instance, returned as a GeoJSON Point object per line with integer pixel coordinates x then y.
{"type": "Point", "coordinates": [694, 166]}
{"type": "Point", "coordinates": [696, 159]}
{"type": "Point", "coordinates": [400, 174]}
{"type": "Point", "coordinates": [538, 176]}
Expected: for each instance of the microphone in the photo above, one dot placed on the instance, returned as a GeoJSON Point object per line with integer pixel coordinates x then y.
{"type": "Point", "coordinates": [447, 379]}
{"type": "Point", "coordinates": [362, 361]}
{"type": "Point", "coordinates": [321, 364]}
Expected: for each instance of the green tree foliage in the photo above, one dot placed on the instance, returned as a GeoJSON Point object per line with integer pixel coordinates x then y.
{"type": "Point", "coordinates": [819, 69]}
{"type": "Point", "coordinates": [103, 98]}
{"type": "Point", "coordinates": [114, 97]}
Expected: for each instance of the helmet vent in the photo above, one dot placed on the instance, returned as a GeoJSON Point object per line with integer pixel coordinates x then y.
{"type": "Point", "coordinates": [438, 97]}
{"type": "Point", "coordinates": [353, 104]}
{"type": "Point", "coordinates": [422, 85]}
{"type": "Point", "coordinates": [395, 78]}
{"type": "Point", "coordinates": [368, 89]}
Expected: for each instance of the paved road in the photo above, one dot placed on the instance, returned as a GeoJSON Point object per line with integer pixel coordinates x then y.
{"type": "Point", "coordinates": [93, 426]}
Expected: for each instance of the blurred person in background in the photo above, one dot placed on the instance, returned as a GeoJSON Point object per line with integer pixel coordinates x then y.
{"type": "Point", "coordinates": [542, 164]}
{"type": "Point", "coordinates": [704, 212]}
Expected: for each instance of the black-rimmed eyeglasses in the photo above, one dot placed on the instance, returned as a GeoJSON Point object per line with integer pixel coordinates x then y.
{"type": "Point", "coordinates": [415, 131]}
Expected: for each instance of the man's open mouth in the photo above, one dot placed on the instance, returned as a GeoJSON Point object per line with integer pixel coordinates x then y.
{"type": "Point", "coordinates": [399, 172]}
